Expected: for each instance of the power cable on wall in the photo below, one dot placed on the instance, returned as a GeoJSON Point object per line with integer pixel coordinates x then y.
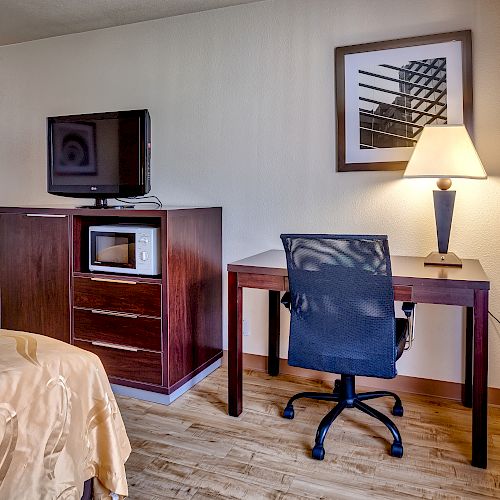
{"type": "Point", "coordinates": [494, 317]}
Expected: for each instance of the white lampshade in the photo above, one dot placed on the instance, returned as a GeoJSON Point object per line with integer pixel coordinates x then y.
{"type": "Point", "coordinates": [445, 151]}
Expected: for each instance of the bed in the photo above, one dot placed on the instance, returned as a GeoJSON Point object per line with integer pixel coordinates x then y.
{"type": "Point", "coordinates": [59, 422]}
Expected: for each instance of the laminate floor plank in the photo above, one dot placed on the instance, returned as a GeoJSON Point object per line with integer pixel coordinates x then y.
{"type": "Point", "coordinates": [193, 450]}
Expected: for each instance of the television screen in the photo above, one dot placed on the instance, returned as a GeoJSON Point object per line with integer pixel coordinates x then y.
{"type": "Point", "coordinates": [99, 155]}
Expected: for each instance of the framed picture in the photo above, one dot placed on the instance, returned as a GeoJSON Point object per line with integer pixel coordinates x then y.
{"type": "Point", "coordinates": [387, 91]}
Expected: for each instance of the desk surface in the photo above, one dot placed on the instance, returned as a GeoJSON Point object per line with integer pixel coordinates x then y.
{"type": "Point", "coordinates": [470, 275]}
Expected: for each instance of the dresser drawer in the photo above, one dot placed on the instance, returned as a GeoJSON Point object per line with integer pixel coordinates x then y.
{"type": "Point", "coordinates": [122, 295]}
{"type": "Point", "coordinates": [140, 366]}
{"type": "Point", "coordinates": [106, 326]}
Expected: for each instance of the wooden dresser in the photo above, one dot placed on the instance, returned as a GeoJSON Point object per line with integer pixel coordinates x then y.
{"type": "Point", "coordinates": [151, 333]}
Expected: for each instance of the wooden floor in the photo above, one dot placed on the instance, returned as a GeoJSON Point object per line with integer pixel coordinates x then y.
{"type": "Point", "coordinates": [193, 449]}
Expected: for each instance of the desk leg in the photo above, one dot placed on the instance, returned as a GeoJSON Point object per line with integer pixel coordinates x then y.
{"type": "Point", "coordinates": [235, 339]}
{"type": "Point", "coordinates": [469, 352]}
{"type": "Point", "coordinates": [480, 382]}
{"type": "Point", "coordinates": [273, 355]}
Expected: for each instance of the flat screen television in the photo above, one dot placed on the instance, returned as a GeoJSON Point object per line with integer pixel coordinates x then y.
{"type": "Point", "coordinates": [100, 155]}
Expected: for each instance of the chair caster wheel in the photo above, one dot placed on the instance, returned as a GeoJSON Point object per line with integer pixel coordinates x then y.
{"type": "Point", "coordinates": [397, 410]}
{"type": "Point", "coordinates": [336, 386]}
{"type": "Point", "coordinates": [288, 412]}
{"type": "Point", "coordinates": [318, 452]}
{"type": "Point", "coordinates": [397, 450]}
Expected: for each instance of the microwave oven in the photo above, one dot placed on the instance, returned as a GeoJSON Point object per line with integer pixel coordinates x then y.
{"type": "Point", "coordinates": [125, 249]}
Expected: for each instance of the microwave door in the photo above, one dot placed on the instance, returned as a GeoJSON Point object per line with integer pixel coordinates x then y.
{"type": "Point", "coordinates": [113, 250]}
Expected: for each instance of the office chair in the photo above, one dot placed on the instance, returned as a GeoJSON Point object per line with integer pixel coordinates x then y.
{"type": "Point", "coordinates": [341, 301]}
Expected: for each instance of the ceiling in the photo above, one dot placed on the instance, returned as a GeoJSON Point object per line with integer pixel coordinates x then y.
{"type": "Point", "coordinates": [23, 20]}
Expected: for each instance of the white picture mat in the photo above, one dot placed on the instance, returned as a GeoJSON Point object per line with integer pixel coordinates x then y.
{"type": "Point", "coordinates": [452, 51]}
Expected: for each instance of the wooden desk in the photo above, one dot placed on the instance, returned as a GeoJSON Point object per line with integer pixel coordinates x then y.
{"type": "Point", "coordinates": [466, 286]}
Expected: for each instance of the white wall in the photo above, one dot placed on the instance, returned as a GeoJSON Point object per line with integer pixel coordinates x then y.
{"type": "Point", "coordinates": [242, 105]}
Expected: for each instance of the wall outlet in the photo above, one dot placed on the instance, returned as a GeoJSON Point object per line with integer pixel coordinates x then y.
{"type": "Point", "coordinates": [246, 328]}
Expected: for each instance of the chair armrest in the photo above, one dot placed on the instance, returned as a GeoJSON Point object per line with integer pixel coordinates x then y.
{"type": "Point", "coordinates": [408, 308]}
{"type": "Point", "coordinates": [409, 311]}
{"type": "Point", "coordinates": [286, 300]}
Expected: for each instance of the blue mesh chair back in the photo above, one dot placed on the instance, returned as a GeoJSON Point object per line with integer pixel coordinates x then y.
{"type": "Point", "coordinates": [342, 304]}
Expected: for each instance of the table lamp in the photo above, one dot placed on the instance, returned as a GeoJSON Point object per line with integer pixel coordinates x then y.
{"type": "Point", "coordinates": [444, 152]}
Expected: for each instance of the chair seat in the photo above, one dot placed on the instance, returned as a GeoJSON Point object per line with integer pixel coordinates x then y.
{"type": "Point", "coordinates": [401, 335]}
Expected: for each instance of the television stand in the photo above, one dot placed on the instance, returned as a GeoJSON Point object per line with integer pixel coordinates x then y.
{"type": "Point", "coordinates": [156, 335]}
{"type": "Point", "coordinates": [102, 203]}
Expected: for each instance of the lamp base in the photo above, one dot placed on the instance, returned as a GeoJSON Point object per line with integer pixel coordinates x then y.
{"type": "Point", "coordinates": [442, 259]}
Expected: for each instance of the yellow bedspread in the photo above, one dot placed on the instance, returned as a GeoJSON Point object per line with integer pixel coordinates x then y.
{"type": "Point", "coordinates": [59, 422]}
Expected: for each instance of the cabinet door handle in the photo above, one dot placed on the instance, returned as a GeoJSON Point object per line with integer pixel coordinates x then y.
{"type": "Point", "coordinates": [47, 216]}
{"type": "Point", "coordinates": [115, 313]}
{"type": "Point", "coordinates": [114, 346]}
{"type": "Point", "coordinates": [109, 280]}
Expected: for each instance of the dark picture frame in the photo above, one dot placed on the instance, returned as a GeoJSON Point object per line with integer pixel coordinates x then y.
{"type": "Point", "coordinates": [384, 96]}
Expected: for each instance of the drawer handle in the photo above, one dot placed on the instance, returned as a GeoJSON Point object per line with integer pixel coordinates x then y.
{"type": "Point", "coordinates": [114, 346]}
{"type": "Point", "coordinates": [114, 313]}
{"type": "Point", "coordinates": [48, 216]}
{"type": "Point", "coordinates": [109, 280]}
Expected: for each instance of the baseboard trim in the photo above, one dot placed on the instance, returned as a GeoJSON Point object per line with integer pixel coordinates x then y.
{"type": "Point", "coordinates": [403, 383]}
{"type": "Point", "coordinates": [194, 373]}
{"type": "Point", "coordinates": [164, 399]}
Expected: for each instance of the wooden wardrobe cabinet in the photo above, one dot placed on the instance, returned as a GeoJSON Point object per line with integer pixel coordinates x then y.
{"type": "Point", "coordinates": [35, 273]}
{"type": "Point", "coordinates": [151, 332]}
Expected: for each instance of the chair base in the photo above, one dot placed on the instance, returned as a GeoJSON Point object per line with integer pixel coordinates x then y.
{"type": "Point", "coordinates": [344, 394]}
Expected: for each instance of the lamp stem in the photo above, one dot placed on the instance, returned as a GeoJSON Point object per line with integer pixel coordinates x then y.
{"type": "Point", "coordinates": [444, 202]}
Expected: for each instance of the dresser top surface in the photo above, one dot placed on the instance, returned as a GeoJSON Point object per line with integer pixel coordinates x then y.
{"type": "Point", "coordinates": [68, 209]}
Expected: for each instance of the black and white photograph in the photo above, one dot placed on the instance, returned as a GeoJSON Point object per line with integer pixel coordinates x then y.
{"type": "Point", "coordinates": [395, 102]}
{"type": "Point", "coordinates": [389, 94]}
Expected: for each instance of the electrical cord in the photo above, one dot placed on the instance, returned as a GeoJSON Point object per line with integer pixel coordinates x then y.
{"type": "Point", "coordinates": [136, 200]}
{"type": "Point", "coordinates": [494, 317]}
